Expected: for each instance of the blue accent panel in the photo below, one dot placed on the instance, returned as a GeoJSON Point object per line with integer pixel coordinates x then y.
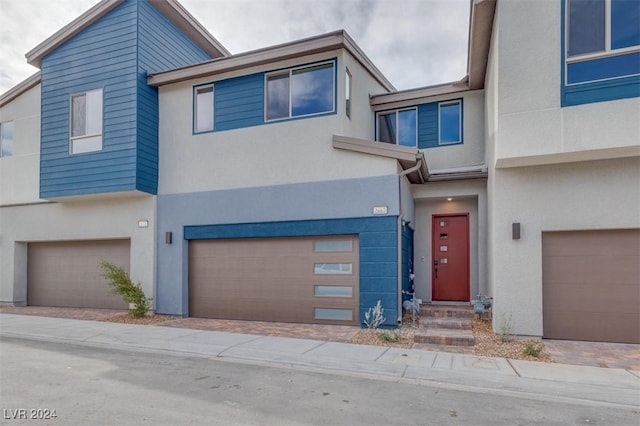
{"type": "Point", "coordinates": [286, 205]}
{"type": "Point", "coordinates": [161, 46]}
{"type": "Point", "coordinates": [604, 68]}
{"type": "Point", "coordinates": [428, 125]}
{"type": "Point", "coordinates": [103, 55]}
{"type": "Point", "coordinates": [625, 23]}
{"type": "Point", "coordinates": [619, 85]}
{"type": "Point", "coordinates": [114, 53]}
{"type": "Point", "coordinates": [239, 102]}
{"type": "Point", "coordinates": [378, 251]}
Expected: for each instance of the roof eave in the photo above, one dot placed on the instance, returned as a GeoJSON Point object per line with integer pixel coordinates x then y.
{"type": "Point", "coordinates": [480, 28]}
{"type": "Point", "coordinates": [177, 14]}
{"type": "Point", "coordinates": [419, 93]}
{"type": "Point", "coordinates": [19, 89]}
{"type": "Point", "coordinates": [308, 46]}
{"type": "Point", "coordinates": [170, 8]}
{"type": "Point", "coordinates": [35, 55]}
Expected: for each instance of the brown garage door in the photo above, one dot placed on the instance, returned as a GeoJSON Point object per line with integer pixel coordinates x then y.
{"type": "Point", "coordinates": [305, 280]}
{"type": "Point", "coordinates": [591, 285]}
{"type": "Point", "coordinates": [67, 274]}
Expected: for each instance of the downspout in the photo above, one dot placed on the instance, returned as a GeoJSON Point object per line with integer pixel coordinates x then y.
{"type": "Point", "coordinates": [402, 174]}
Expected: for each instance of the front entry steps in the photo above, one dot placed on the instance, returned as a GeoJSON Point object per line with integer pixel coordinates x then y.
{"type": "Point", "coordinates": [445, 325]}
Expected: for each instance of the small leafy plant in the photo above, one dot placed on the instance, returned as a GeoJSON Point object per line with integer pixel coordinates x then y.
{"type": "Point", "coordinates": [505, 328]}
{"type": "Point", "coordinates": [533, 349]}
{"type": "Point", "coordinates": [373, 317]}
{"type": "Point", "coordinates": [393, 336]}
{"type": "Point", "coordinates": [122, 285]}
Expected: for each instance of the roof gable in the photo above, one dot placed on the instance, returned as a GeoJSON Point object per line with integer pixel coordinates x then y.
{"type": "Point", "coordinates": [170, 8]}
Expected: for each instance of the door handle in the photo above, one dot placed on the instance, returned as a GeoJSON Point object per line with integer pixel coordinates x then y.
{"type": "Point", "coordinates": [436, 272]}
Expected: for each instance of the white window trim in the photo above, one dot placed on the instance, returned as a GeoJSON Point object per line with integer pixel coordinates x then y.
{"type": "Point", "coordinates": [289, 72]}
{"type": "Point", "coordinates": [448, 103]}
{"type": "Point", "coordinates": [607, 52]}
{"type": "Point", "coordinates": [397, 112]}
{"type": "Point", "coordinates": [73, 139]}
{"type": "Point", "coordinates": [195, 108]}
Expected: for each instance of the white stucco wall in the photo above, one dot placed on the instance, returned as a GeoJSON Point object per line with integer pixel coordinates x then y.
{"type": "Point", "coordinates": [579, 196]}
{"type": "Point", "coordinates": [20, 173]}
{"type": "Point", "coordinates": [83, 220]}
{"type": "Point", "coordinates": [531, 119]}
{"type": "Point", "coordinates": [287, 152]}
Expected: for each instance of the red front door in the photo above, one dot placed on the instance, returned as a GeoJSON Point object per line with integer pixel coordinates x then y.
{"type": "Point", "coordinates": [450, 259]}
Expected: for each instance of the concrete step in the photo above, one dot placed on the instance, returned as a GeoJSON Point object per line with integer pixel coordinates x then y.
{"type": "Point", "coordinates": [448, 311]}
{"type": "Point", "coordinates": [451, 323]}
{"type": "Point", "coordinates": [444, 336]}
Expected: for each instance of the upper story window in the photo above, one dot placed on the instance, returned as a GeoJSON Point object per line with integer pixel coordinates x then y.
{"type": "Point", "coordinates": [398, 127]}
{"type": "Point", "coordinates": [601, 26]}
{"type": "Point", "coordinates": [6, 139]}
{"type": "Point", "coordinates": [300, 91]}
{"type": "Point", "coordinates": [86, 122]}
{"type": "Point", "coordinates": [450, 122]}
{"type": "Point", "coordinates": [203, 108]}
{"type": "Point", "coordinates": [347, 95]}
{"type": "Point", "coordinates": [601, 50]}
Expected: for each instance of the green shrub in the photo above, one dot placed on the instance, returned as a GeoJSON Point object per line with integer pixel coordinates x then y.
{"type": "Point", "coordinates": [390, 336]}
{"type": "Point", "coordinates": [533, 349]}
{"type": "Point", "coordinates": [122, 285]}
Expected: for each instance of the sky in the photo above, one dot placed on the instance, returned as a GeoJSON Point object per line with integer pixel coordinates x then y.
{"type": "Point", "coordinates": [415, 43]}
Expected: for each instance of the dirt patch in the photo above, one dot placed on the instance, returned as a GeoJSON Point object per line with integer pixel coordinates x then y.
{"type": "Point", "coordinates": [487, 342]}
{"type": "Point", "coordinates": [145, 320]}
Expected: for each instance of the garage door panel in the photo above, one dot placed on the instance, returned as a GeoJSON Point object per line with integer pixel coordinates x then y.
{"type": "Point", "coordinates": [591, 285]}
{"type": "Point", "coordinates": [68, 274]}
{"type": "Point", "coordinates": [271, 279]}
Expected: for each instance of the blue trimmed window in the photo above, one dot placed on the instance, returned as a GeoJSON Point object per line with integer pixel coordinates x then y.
{"type": "Point", "coordinates": [399, 127]}
{"type": "Point", "coordinates": [203, 108]}
{"type": "Point", "coordinates": [298, 92]}
{"type": "Point", "coordinates": [450, 122]}
{"type": "Point", "coordinates": [601, 50]}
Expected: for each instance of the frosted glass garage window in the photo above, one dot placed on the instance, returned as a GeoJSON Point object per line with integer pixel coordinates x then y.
{"type": "Point", "coordinates": [333, 268]}
{"type": "Point", "coordinates": [333, 291]}
{"type": "Point", "coordinates": [333, 314]}
{"type": "Point", "coordinates": [203, 109]}
{"type": "Point", "coordinates": [86, 122]}
{"type": "Point", "coordinates": [333, 246]}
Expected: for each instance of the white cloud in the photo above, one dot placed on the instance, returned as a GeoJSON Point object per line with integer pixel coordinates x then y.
{"type": "Point", "coordinates": [413, 42]}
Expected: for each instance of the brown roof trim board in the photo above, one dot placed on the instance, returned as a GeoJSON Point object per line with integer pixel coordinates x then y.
{"type": "Point", "coordinates": [408, 158]}
{"type": "Point", "coordinates": [308, 46]}
{"type": "Point", "coordinates": [19, 89]}
{"type": "Point", "coordinates": [170, 8]}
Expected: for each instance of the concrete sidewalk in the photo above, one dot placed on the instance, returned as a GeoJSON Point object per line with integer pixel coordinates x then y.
{"type": "Point", "coordinates": [590, 384]}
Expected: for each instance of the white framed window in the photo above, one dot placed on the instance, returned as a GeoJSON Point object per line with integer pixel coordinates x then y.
{"type": "Point", "coordinates": [203, 108]}
{"type": "Point", "coordinates": [333, 291]}
{"type": "Point", "coordinates": [6, 139]}
{"type": "Point", "coordinates": [347, 95]}
{"type": "Point", "coordinates": [86, 122]}
{"type": "Point", "coordinates": [399, 127]}
{"type": "Point", "coordinates": [333, 314]}
{"type": "Point", "coordinates": [450, 122]}
{"type": "Point", "coordinates": [298, 92]}
{"type": "Point", "coordinates": [333, 268]}
{"type": "Point", "coordinates": [597, 28]}
{"type": "Point", "coordinates": [333, 245]}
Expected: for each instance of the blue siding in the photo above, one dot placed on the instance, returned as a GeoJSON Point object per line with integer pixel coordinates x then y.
{"type": "Point", "coordinates": [428, 125]}
{"type": "Point", "coordinates": [239, 102]}
{"type": "Point", "coordinates": [101, 56]}
{"type": "Point", "coordinates": [407, 260]}
{"type": "Point", "coordinates": [115, 53]}
{"type": "Point", "coordinates": [161, 46]}
{"type": "Point", "coordinates": [378, 251]}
